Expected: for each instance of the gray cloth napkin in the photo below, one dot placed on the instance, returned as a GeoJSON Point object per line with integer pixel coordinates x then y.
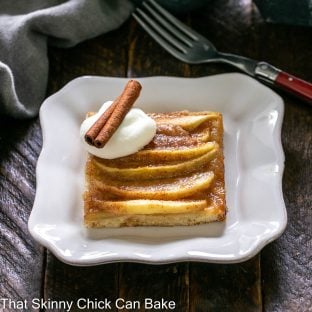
{"type": "Point", "coordinates": [28, 26]}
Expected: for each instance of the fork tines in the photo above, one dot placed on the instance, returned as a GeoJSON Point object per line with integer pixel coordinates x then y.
{"type": "Point", "coordinates": [168, 31]}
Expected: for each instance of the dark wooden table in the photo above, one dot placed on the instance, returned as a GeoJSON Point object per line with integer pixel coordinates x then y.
{"type": "Point", "coordinates": [277, 279]}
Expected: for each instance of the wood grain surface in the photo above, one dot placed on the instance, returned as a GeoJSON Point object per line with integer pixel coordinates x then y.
{"type": "Point", "coordinates": [278, 279]}
{"type": "Point", "coordinates": [21, 258]}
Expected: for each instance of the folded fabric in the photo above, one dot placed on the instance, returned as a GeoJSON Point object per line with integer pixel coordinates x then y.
{"type": "Point", "coordinates": [26, 29]}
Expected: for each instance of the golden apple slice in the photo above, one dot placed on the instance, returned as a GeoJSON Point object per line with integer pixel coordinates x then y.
{"type": "Point", "coordinates": [165, 189]}
{"type": "Point", "coordinates": [175, 154]}
{"type": "Point", "coordinates": [148, 207]}
{"type": "Point", "coordinates": [159, 171]}
{"type": "Point", "coordinates": [203, 136]}
{"type": "Point", "coordinates": [188, 122]}
{"type": "Point", "coordinates": [159, 155]}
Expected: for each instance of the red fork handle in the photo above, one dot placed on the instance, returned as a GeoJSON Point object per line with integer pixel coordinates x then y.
{"type": "Point", "coordinates": [294, 85]}
{"type": "Point", "coordinates": [270, 74]}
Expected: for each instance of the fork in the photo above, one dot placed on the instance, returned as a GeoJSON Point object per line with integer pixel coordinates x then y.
{"type": "Point", "coordinates": [189, 46]}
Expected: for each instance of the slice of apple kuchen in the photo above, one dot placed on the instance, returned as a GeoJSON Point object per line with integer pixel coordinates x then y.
{"type": "Point", "coordinates": [177, 179]}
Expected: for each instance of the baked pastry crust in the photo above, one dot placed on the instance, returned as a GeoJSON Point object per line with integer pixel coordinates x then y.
{"type": "Point", "coordinates": [177, 179]}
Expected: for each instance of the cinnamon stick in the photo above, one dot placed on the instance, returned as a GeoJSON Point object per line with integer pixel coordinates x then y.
{"type": "Point", "coordinates": [93, 132]}
{"type": "Point", "coordinates": [103, 129]}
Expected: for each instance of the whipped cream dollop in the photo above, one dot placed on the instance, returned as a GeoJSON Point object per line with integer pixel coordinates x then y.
{"type": "Point", "coordinates": [136, 130]}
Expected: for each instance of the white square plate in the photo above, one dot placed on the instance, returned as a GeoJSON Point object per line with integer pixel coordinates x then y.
{"type": "Point", "coordinates": [254, 164]}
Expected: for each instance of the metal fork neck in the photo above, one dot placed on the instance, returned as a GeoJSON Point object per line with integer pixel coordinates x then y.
{"type": "Point", "coordinates": [266, 72]}
{"type": "Point", "coordinates": [245, 64]}
{"type": "Point", "coordinates": [262, 70]}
